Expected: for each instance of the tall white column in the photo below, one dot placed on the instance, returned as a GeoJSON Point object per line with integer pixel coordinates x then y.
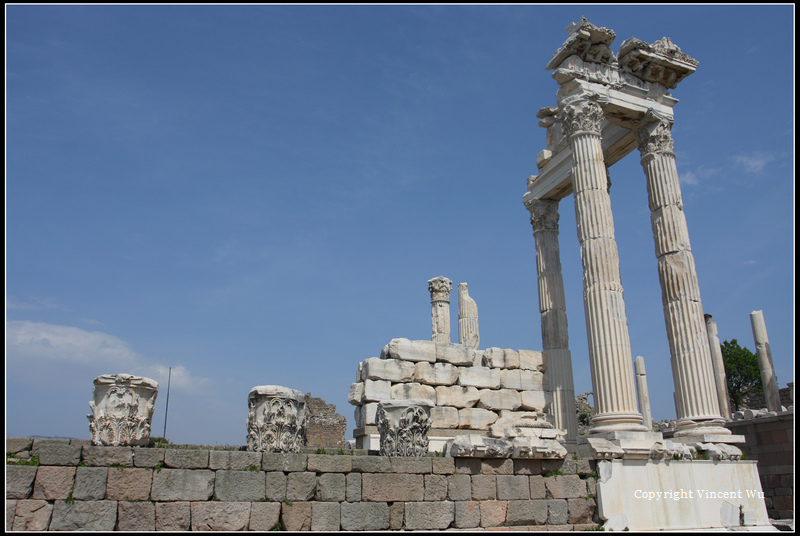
{"type": "Point", "coordinates": [771, 393]}
{"type": "Point", "coordinates": [553, 309]}
{"type": "Point", "coordinates": [606, 322]}
{"type": "Point", "coordinates": [719, 367]}
{"type": "Point", "coordinates": [698, 408]}
{"type": "Point", "coordinates": [440, 288]}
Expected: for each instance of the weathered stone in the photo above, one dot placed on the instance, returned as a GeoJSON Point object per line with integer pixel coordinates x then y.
{"type": "Point", "coordinates": [526, 513]}
{"type": "Point", "coordinates": [435, 487]}
{"type": "Point", "coordinates": [443, 466]}
{"type": "Point", "coordinates": [497, 466]}
{"type": "Point", "coordinates": [494, 358]}
{"type": "Point", "coordinates": [444, 417]}
{"type": "Point", "coordinates": [501, 399]}
{"type": "Point", "coordinates": [435, 374]}
{"type": "Point", "coordinates": [301, 486]}
{"type": "Point", "coordinates": [457, 396]}
{"type": "Point", "coordinates": [95, 456]}
{"type": "Point", "coordinates": [557, 513]}
{"type": "Point", "coordinates": [397, 512]}
{"type": "Point", "coordinates": [233, 460]}
{"type": "Point", "coordinates": [90, 483]}
{"type": "Point", "coordinates": [286, 462]}
{"type": "Point", "coordinates": [136, 516]}
{"type": "Point", "coordinates": [53, 483]}
{"type": "Point", "coordinates": [520, 379]}
{"type": "Point", "coordinates": [390, 487]}
{"type": "Point", "coordinates": [459, 487]}
{"type": "Point", "coordinates": [19, 481]}
{"type": "Point", "coordinates": [535, 400]}
{"type": "Point", "coordinates": [173, 516]}
{"type": "Point", "coordinates": [467, 466]}
{"type": "Point", "coordinates": [182, 485]}
{"type": "Point", "coordinates": [372, 464]}
{"type": "Point", "coordinates": [56, 453]}
{"type": "Point", "coordinates": [30, 515]}
{"type": "Point", "coordinates": [413, 391]}
{"type": "Point", "coordinates": [377, 390]}
{"type": "Point", "coordinates": [215, 515]}
{"type": "Point", "coordinates": [366, 415]}
{"type": "Point", "coordinates": [393, 370]}
{"type": "Point", "coordinates": [458, 355]}
{"type": "Point", "coordinates": [428, 515]}
{"type": "Point", "coordinates": [186, 459]}
{"type": "Point", "coordinates": [407, 350]}
{"type": "Point", "coordinates": [84, 515]}
{"type": "Point", "coordinates": [480, 377]}
{"type": "Point", "coordinates": [356, 394]}
{"type": "Point", "coordinates": [353, 487]}
{"type": "Point", "coordinates": [403, 426]}
{"type": "Point", "coordinates": [275, 486]}
{"type": "Point", "coordinates": [527, 467]}
{"type": "Point", "coordinates": [478, 446]}
{"type": "Point", "coordinates": [493, 513]}
{"type": "Point", "coordinates": [467, 514]}
{"type": "Point", "coordinates": [16, 445]}
{"type": "Point", "coordinates": [264, 516]}
{"type": "Point", "coordinates": [484, 487]}
{"type": "Point", "coordinates": [239, 486]}
{"type": "Point", "coordinates": [324, 427]}
{"type": "Point", "coordinates": [326, 463]}
{"type": "Point", "coordinates": [412, 464]}
{"type": "Point", "coordinates": [129, 484]}
{"type": "Point", "coordinates": [581, 510]}
{"type": "Point", "coordinates": [325, 516]}
{"type": "Point", "coordinates": [476, 418]}
{"type": "Point", "coordinates": [566, 487]}
{"type": "Point", "coordinates": [331, 487]}
{"type": "Point", "coordinates": [364, 516]}
{"type": "Point", "coordinates": [122, 409]}
{"type": "Point", "coordinates": [513, 487]}
{"type": "Point", "coordinates": [440, 288]}
{"type": "Point", "coordinates": [538, 487]}
{"type": "Point", "coordinates": [532, 360]}
{"type": "Point", "coordinates": [276, 419]}
{"type": "Point", "coordinates": [143, 457]}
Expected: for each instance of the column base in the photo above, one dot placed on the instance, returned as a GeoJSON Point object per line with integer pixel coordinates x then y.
{"type": "Point", "coordinates": [617, 422]}
{"type": "Point", "coordinates": [630, 445]}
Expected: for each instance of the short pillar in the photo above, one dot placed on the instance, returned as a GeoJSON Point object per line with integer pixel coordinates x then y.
{"type": "Point", "coordinates": [403, 426]}
{"type": "Point", "coordinates": [719, 367]}
{"type": "Point", "coordinates": [276, 420]}
{"type": "Point", "coordinates": [606, 321]}
{"type": "Point", "coordinates": [641, 390]}
{"type": "Point", "coordinates": [771, 393]}
{"type": "Point", "coordinates": [440, 288]}
{"type": "Point", "coordinates": [468, 334]}
{"type": "Point", "coordinates": [553, 310]}
{"type": "Point", "coordinates": [698, 409]}
{"type": "Point", "coordinates": [122, 410]}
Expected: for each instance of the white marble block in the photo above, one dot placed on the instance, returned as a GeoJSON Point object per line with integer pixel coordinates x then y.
{"type": "Point", "coordinates": [499, 399]}
{"type": "Point", "coordinates": [476, 418]}
{"type": "Point", "coordinates": [480, 377]}
{"type": "Point", "coordinates": [377, 390]}
{"type": "Point", "coordinates": [535, 400]}
{"type": "Point", "coordinates": [444, 417]}
{"type": "Point", "coordinates": [365, 415]}
{"type": "Point", "coordinates": [356, 394]}
{"type": "Point", "coordinates": [405, 391]}
{"type": "Point", "coordinates": [435, 373]}
{"type": "Point", "coordinates": [533, 360]}
{"type": "Point", "coordinates": [494, 358]}
{"type": "Point", "coordinates": [521, 379]}
{"type": "Point", "coordinates": [457, 396]}
{"type": "Point", "coordinates": [393, 370]}
{"type": "Point", "coordinates": [408, 350]}
{"type": "Point", "coordinates": [122, 410]}
{"type": "Point", "coordinates": [276, 421]}
{"type": "Point", "coordinates": [456, 354]}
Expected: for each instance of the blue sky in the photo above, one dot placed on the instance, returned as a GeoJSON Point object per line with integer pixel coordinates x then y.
{"type": "Point", "coordinates": [258, 195]}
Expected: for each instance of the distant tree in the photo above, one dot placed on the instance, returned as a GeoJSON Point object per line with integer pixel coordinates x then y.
{"type": "Point", "coordinates": [741, 371]}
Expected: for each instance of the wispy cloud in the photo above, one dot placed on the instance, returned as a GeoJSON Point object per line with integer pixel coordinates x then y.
{"type": "Point", "coordinates": [44, 349]}
{"type": "Point", "coordinates": [32, 303]}
{"type": "Point", "coordinates": [755, 163]}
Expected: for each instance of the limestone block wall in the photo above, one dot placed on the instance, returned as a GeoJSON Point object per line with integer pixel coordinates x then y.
{"type": "Point", "coordinates": [81, 487]}
{"type": "Point", "coordinates": [470, 388]}
{"type": "Point", "coordinates": [770, 441]}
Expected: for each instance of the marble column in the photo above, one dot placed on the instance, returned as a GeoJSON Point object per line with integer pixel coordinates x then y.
{"type": "Point", "coordinates": [641, 390]}
{"type": "Point", "coordinates": [606, 322]}
{"type": "Point", "coordinates": [771, 393]}
{"type": "Point", "coordinates": [693, 374]}
{"type": "Point", "coordinates": [719, 367]}
{"type": "Point", "coordinates": [468, 334]}
{"type": "Point", "coordinates": [553, 310]}
{"type": "Point", "coordinates": [440, 288]}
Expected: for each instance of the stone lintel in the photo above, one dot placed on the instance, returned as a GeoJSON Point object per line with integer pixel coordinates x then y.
{"type": "Point", "coordinates": [709, 438]}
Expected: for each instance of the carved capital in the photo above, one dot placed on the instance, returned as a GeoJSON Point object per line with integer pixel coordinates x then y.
{"type": "Point", "coordinates": [654, 137]}
{"type": "Point", "coordinates": [122, 410]}
{"type": "Point", "coordinates": [544, 215]}
{"type": "Point", "coordinates": [276, 420]}
{"type": "Point", "coordinates": [440, 288]}
{"type": "Point", "coordinates": [581, 116]}
{"type": "Point", "coordinates": [403, 426]}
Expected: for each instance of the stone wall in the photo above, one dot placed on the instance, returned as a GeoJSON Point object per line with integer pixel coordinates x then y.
{"type": "Point", "coordinates": [759, 401]}
{"type": "Point", "coordinates": [770, 441]}
{"type": "Point", "coordinates": [76, 486]}
{"type": "Point", "coordinates": [324, 427]}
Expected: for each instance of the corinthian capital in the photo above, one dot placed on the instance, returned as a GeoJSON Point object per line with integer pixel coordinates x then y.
{"type": "Point", "coordinates": [544, 214]}
{"type": "Point", "coordinates": [654, 136]}
{"type": "Point", "coordinates": [440, 288]}
{"type": "Point", "coordinates": [581, 116]}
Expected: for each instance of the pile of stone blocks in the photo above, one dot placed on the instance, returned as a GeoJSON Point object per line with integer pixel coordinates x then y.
{"type": "Point", "coordinates": [470, 388]}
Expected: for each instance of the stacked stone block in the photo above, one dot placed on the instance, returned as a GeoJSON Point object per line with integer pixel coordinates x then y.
{"type": "Point", "coordinates": [148, 489]}
{"type": "Point", "coordinates": [470, 388]}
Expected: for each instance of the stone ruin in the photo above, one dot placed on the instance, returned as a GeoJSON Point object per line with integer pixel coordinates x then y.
{"type": "Point", "coordinates": [122, 410]}
{"type": "Point", "coordinates": [488, 402]}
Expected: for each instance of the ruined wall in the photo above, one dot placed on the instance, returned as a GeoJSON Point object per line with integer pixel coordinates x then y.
{"type": "Point", "coordinates": [324, 427]}
{"type": "Point", "coordinates": [80, 487]}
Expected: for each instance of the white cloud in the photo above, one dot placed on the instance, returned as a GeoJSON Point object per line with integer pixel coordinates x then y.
{"type": "Point", "coordinates": [40, 349]}
{"type": "Point", "coordinates": [755, 163]}
{"type": "Point", "coordinates": [689, 178]}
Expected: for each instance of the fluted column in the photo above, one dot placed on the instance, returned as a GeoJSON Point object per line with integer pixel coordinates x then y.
{"type": "Point", "coordinates": [768, 381]}
{"type": "Point", "coordinates": [693, 374]}
{"type": "Point", "coordinates": [606, 322]}
{"type": "Point", "coordinates": [644, 394]}
{"type": "Point", "coordinates": [553, 309]}
{"type": "Point", "coordinates": [440, 288]}
{"type": "Point", "coordinates": [719, 367]}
